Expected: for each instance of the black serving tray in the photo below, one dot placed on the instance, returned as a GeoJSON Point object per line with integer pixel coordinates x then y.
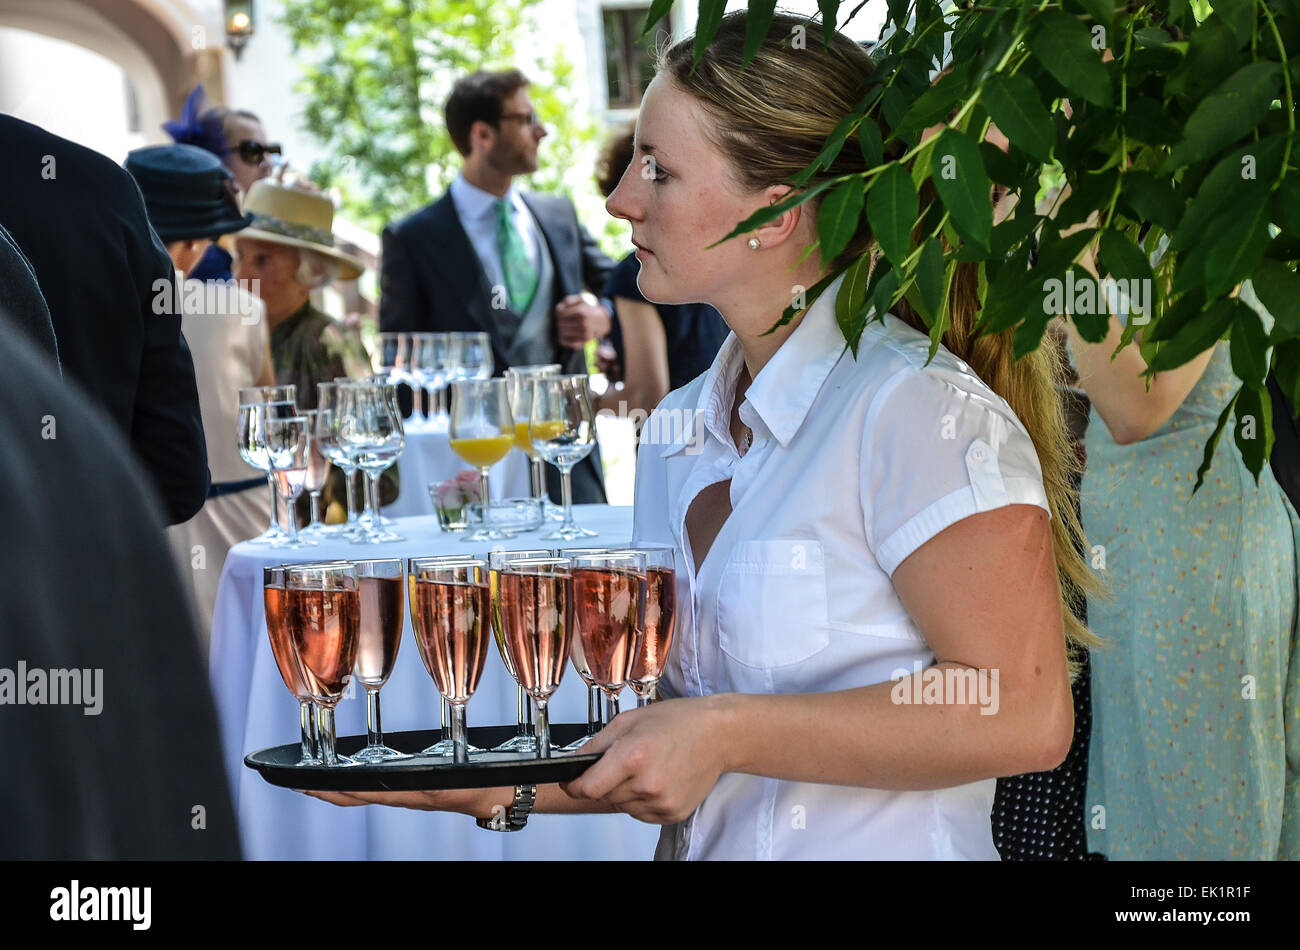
{"type": "Point", "coordinates": [485, 770]}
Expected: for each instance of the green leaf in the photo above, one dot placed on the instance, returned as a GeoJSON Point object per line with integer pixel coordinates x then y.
{"type": "Point", "coordinates": [837, 220]}
{"type": "Point", "coordinates": [1196, 336]}
{"type": "Point", "coordinates": [1254, 432]}
{"type": "Point", "coordinates": [1287, 203]}
{"type": "Point", "coordinates": [706, 25]}
{"type": "Point", "coordinates": [756, 26]}
{"type": "Point", "coordinates": [810, 298]}
{"type": "Point", "coordinates": [829, 9]}
{"type": "Point", "coordinates": [1120, 258]}
{"type": "Point", "coordinates": [1238, 248]}
{"type": "Point", "coordinates": [1286, 370]}
{"type": "Point", "coordinates": [873, 149]}
{"type": "Point", "coordinates": [1176, 316]}
{"type": "Point", "coordinates": [963, 184]}
{"type": "Point", "coordinates": [1211, 57]}
{"type": "Point", "coordinates": [898, 12]}
{"type": "Point", "coordinates": [1233, 110]}
{"type": "Point", "coordinates": [1057, 254]}
{"type": "Point", "coordinates": [1226, 187]}
{"type": "Point", "coordinates": [1147, 120]}
{"type": "Point", "coordinates": [1102, 11]}
{"type": "Point", "coordinates": [1090, 193]}
{"type": "Point", "coordinates": [891, 210]}
{"type": "Point", "coordinates": [774, 211]}
{"type": "Point", "coordinates": [1239, 15]}
{"type": "Point", "coordinates": [929, 278]}
{"type": "Point", "coordinates": [1015, 107]}
{"type": "Point", "coordinates": [1063, 46]}
{"type": "Point", "coordinates": [1001, 166]}
{"type": "Point", "coordinates": [1278, 289]}
{"type": "Point", "coordinates": [851, 300]}
{"type": "Point", "coordinates": [1248, 347]}
{"type": "Point", "coordinates": [937, 102]}
{"type": "Point", "coordinates": [882, 297]}
{"type": "Point", "coordinates": [658, 10]}
{"type": "Point", "coordinates": [1153, 198]}
{"type": "Point", "coordinates": [1207, 457]}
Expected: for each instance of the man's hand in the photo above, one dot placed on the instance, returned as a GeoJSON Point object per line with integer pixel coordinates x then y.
{"type": "Point", "coordinates": [579, 320]}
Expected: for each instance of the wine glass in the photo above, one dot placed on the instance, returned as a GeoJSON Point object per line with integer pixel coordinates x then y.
{"type": "Point", "coordinates": [474, 355]}
{"type": "Point", "coordinates": [324, 617]}
{"type": "Point", "coordinates": [563, 431]}
{"type": "Point", "coordinates": [380, 584]}
{"type": "Point", "coordinates": [431, 361]}
{"type": "Point", "coordinates": [286, 657]}
{"type": "Point", "coordinates": [288, 449]}
{"type": "Point", "coordinates": [537, 605]}
{"type": "Point", "coordinates": [579, 660]}
{"type": "Point", "coordinates": [482, 432]}
{"type": "Point", "coordinates": [523, 740]}
{"type": "Point", "coordinates": [657, 631]}
{"type": "Point", "coordinates": [609, 612]}
{"type": "Point", "coordinates": [392, 355]}
{"type": "Point", "coordinates": [449, 612]}
{"type": "Point", "coordinates": [520, 388]}
{"type": "Point", "coordinates": [253, 450]}
{"type": "Point", "coordinates": [327, 438]}
{"type": "Point", "coordinates": [318, 470]}
{"type": "Point", "coordinates": [370, 431]}
{"type": "Point", "coordinates": [416, 375]}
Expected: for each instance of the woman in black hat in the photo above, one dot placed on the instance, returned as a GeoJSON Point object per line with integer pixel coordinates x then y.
{"type": "Point", "coordinates": [190, 198]}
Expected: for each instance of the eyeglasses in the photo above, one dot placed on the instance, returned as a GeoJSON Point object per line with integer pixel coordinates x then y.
{"type": "Point", "coordinates": [253, 152]}
{"type": "Point", "coordinates": [528, 118]}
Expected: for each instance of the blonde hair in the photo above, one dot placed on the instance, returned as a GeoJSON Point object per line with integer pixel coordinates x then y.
{"type": "Point", "coordinates": [772, 118]}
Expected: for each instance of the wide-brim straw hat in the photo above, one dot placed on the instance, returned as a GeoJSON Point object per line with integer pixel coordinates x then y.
{"type": "Point", "coordinates": [296, 218]}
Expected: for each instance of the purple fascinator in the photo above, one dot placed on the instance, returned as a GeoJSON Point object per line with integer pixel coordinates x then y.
{"type": "Point", "coordinates": [197, 126]}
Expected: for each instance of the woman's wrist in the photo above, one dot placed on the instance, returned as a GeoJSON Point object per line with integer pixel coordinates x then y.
{"type": "Point", "coordinates": [727, 717]}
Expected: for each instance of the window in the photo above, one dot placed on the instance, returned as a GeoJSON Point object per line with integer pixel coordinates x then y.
{"type": "Point", "coordinates": [629, 59]}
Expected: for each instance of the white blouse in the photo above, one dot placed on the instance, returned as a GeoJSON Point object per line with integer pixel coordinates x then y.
{"type": "Point", "coordinates": [854, 465]}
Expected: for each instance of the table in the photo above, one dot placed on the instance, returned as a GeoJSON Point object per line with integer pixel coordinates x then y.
{"type": "Point", "coordinates": [255, 711]}
{"type": "Point", "coordinates": [428, 457]}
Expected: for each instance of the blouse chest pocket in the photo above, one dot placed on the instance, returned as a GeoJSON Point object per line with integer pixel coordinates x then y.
{"type": "Point", "coordinates": [772, 603]}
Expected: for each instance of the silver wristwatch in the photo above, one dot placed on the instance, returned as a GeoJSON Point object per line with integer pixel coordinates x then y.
{"type": "Point", "coordinates": [514, 817]}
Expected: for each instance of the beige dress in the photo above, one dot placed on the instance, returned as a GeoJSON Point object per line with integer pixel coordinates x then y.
{"type": "Point", "coordinates": [229, 350]}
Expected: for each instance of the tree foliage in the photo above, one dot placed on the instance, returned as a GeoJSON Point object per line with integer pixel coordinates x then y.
{"type": "Point", "coordinates": [1172, 123]}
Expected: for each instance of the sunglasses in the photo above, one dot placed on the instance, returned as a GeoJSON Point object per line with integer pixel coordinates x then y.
{"type": "Point", "coordinates": [528, 118]}
{"type": "Point", "coordinates": [253, 152]}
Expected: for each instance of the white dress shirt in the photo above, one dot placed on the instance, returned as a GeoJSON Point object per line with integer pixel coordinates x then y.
{"type": "Point", "coordinates": [854, 465]}
{"type": "Point", "coordinates": [478, 216]}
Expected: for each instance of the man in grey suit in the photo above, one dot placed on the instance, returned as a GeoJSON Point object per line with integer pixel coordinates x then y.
{"type": "Point", "coordinates": [487, 257]}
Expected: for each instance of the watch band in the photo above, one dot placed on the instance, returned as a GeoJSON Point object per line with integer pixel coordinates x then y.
{"type": "Point", "coordinates": [516, 816]}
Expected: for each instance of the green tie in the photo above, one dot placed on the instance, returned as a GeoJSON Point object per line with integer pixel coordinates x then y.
{"type": "Point", "coordinates": [521, 277]}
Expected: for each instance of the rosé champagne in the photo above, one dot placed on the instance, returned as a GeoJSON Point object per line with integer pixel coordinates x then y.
{"type": "Point", "coordinates": [498, 631]}
{"type": "Point", "coordinates": [324, 625]}
{"type": "Point", "coordinates": [282, 648]}
{"type": "Point", "coordinates": [605, 613]}
{"type": "Point", "coordinates": [381, 628]}
{"type": "Point", "coordinates": [657, 633]}
{"type": "Point", "coordinates": [535, 613]}
{"type": "Point", "coordinates": [451, 631]}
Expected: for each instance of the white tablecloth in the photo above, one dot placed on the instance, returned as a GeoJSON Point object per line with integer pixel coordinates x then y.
{"type": "Point", "coordinates": [256, 711]}
{"type": "Point", "coordinates": [428, 457]}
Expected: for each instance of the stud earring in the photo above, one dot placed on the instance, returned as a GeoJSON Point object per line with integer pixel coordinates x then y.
{"type": "Point", "coordinates": [753, 244]}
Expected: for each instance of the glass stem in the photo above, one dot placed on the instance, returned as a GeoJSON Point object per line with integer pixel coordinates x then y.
{"type": "Point", "coordinates": [460, 747]}
{"type": "Point", "coordinates": [543, 731]}
{"type": "Point", "coordinates": [611, 707]}
{"type": "Point", "coordinates": [486, 494]}
{"type": "Point", "coordinates": [325, 722]}
{"type": "Point", "coordinates": [566, 488]}
{"type": "Point", "coordinates": [308, 724]}
{"type": "Point", "coordinates": [538, 476]}
{"type": "Point", "coordinates": [374, 728]}
{"type": "Point", "coordinates": [372, 488]}
{"type": "Point", "coordinates": [275, 502]}
{"type": "Point", "coordinates": [347, 491]}
{"type": "Point", "coordinates": [316, 516]}
{"type": "Point", "coordinates": [291, 518]}
{"type": "Point", "coordinates": [523, 715]}
{"type": "Point", "coordinates": [446, 727]}
{"type": "Point", "coordinates": [593, 710]}
{"type": "Point", "coordinates": [642, 701]}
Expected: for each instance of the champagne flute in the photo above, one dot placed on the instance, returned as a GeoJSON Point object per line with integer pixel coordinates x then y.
{"type": "Point", "coordinates": [609, 615]}
{"type": "Point", "coordinates": [275, 598]}
{"type": "Point", "coordinates": [318, 470]}
{"type": "Point", "coordinates": [380, 584]}
{"type": "Point", "coordinates": [519, 385]}
{"type": "Point", "coordinates": [327, 437]}
{"type": "Point", "coordinates": [482, 433]}
{"type": "Point", "coordinates": [288, 450]}
{"type": "Point", "coordinates": [252, 449]}
{"type": "Point", "coordinates": [324, 617]}
{"type": "Point", "coordinates": [657, 631]}
{"type": "Point", "coordinates": [450, 616]}
{"type": "Point", "coordinates": [563, 431]}
{"type": "Point", "coordinates": [580, 664]}
{"type": "Point", "coordinates": [537, 620]}
{"type": "Point", "coordinates": [523, 740]}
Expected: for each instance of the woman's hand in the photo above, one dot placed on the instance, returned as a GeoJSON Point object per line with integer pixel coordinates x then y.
{"type": "Point", "coordinates": [660, 762]}
{"type": "Point", "coordinates": [478, 802]}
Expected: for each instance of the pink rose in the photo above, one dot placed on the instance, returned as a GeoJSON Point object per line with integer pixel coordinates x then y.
{"type": "Point", "coordinates": [449, 496]}
{"type": "Point", "coordinates": [469, 483]}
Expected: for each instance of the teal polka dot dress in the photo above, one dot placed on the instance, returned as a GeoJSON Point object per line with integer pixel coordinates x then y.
{"type": "Point", "coordinates": [1196, 697]}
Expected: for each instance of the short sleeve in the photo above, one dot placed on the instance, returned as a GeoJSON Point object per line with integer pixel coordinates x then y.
{"type": "Point", "coordinates": [939, 446]}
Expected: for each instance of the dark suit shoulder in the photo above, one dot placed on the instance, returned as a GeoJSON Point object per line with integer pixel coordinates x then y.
{"type": "Point", "coordinates": [555, 205]}
{"type": "Point", "coordinates": [29, 149]}
{"type": "Point", "coordinates": [419, 221]}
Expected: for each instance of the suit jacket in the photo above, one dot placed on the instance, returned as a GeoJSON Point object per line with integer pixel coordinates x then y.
{"type": "Point", "coordinates": [91, 585]}
{"type": "Point", "coordinates": [81, 222]}
{"type": "Point", "coordinates": [20, 295]}
{"type": "Point", "coordinates": [431, 280]}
